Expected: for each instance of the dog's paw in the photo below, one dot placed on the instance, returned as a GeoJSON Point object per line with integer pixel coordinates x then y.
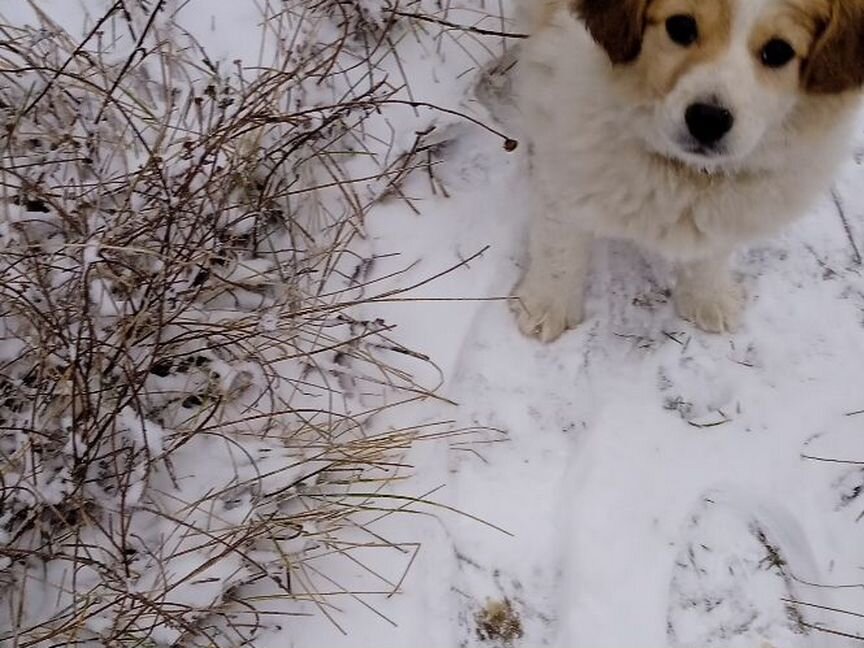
{"type": "Point", "coordinates": [545, 314]}
{"type": "Point", "coordinates": [714, 311]}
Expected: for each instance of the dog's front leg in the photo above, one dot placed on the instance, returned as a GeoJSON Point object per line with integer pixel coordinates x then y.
{"type": "Point", "coordinates": [708, 295]}
{"type": "Point", "coordinates": [549, 298]}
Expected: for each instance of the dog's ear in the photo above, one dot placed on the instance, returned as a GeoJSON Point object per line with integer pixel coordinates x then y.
{"type": "Point", "coordinates": [616, 25]}
{"type": "Point", "coordinates": [836, 62]}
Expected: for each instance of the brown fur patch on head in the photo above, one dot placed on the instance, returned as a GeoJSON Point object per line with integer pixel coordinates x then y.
{"type": "Point", "coordinates": [836, 63]}
{"type": "Point", "coordinates": [798, 22]}
{"type": "Point", "coordinates": [616, 25]}
{"type": "Point", "coordinates": [664, 62]}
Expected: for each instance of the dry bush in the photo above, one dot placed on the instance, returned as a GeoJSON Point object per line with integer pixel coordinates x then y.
{"type": "Point", "coordinates": [187, 368]}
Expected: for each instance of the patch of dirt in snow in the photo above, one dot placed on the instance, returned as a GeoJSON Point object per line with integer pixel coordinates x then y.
{"type": "Point", "coordinates": [498, 623]}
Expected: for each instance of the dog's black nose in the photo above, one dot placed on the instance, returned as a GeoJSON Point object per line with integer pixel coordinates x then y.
{"type": "Point", "coordinates": [708, 123]}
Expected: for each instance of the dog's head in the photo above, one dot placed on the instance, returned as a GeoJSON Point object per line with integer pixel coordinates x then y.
{"type": "Point", "coordinates": [718, 77]}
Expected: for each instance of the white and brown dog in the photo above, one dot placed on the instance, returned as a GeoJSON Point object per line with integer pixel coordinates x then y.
{"type": "Point", "coordinates": [688, 126]}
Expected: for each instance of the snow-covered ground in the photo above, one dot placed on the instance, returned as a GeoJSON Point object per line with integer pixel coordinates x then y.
{"type": "Point", "coordinates": [663, 487]}
{"type": "Point", "coordinates": [658, 486]}
{"type": "Point", "coordinates": [636, 484]}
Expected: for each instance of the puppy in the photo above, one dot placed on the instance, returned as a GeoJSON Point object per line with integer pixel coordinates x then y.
{"type": "Point", "coordinates": [688, 126]}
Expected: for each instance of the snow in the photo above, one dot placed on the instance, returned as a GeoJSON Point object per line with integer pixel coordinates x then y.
{"type": "Point", "coordinates": [625, 486]}
{"type": "Point", "coordinates": [611, 447]}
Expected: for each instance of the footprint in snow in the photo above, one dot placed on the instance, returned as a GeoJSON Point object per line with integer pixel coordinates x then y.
{"type": "Point", "coordinates": [698, 378]}
{"type": "Point", "coordinates": [739, 572]}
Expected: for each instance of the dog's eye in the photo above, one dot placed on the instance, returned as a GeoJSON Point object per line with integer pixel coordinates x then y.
{"type": "Point", "coordinates": [682, 29]}
{"type": "Point", "coordinates": [777, 53]}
